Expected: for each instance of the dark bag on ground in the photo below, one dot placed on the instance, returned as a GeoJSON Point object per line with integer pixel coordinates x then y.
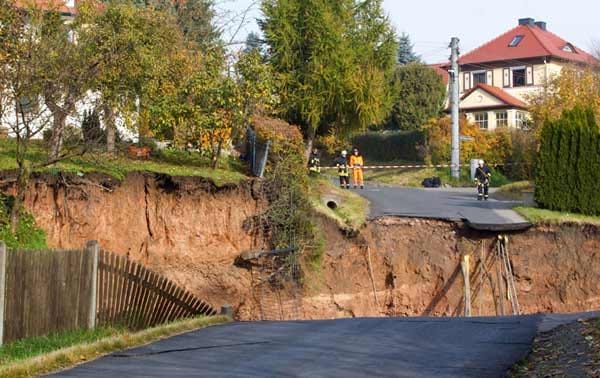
{"type": "Point", "coordinates": [432, 182]}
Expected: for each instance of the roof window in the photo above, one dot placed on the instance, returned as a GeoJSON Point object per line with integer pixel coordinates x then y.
{"type": "Point", "coordinates": [569, 48]}
{"type": "Point", "coordinates": [515, 42]}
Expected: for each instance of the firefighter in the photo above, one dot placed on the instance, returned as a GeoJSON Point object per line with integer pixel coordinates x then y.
{"type": "Point", "coordinates": [314, 163]}
{"type": "Point", "coordinates": [483, 174]}
{"type": "Point", "coordinates": [357, 163]}
{"type": "Point", "coordinates": [342, 165]}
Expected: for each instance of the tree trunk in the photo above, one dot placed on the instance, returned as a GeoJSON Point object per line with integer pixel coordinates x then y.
{"type": "Point", "coordinates": [309, 146]}
{"type": "Point", "coordinates": [58, 129]}
{"type": "Point", "coordinates": [217, 155]}
{"type": "Point", "coordinates": [20, 190]}
{"type": "Point", "coordinates": [109, 120]}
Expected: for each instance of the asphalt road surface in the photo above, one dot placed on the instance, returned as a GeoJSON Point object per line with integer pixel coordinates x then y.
{"type": "Point", "coordinates": [375, 347]}
{"type": "Point", "coordinates": [444, 203]}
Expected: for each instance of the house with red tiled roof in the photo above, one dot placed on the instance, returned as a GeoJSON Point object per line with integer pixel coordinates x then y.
{"type": "Point", "coordinates": [67, 8]}
{"type": "Point", "coordinates": [497, 78]}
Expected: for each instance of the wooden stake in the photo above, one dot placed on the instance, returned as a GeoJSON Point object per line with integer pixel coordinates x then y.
{"type": "Point", "coordinates": [93, 251]}
{"type": "Point", "coordinates": [465, 270]}
{"type": "Point", "coordinates": [372, 276]}
{"type": "Point", "coordinates": [2, 288]}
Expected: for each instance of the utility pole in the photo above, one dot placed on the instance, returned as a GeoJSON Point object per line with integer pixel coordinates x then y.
{"type": "Point", "coordinates": [455, 103]}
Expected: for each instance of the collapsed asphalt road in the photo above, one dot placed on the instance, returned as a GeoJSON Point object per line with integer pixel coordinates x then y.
{"type": "Point", "coordinates": [382, 347]}
{"type": "Point", "coordinates": [444, 203]}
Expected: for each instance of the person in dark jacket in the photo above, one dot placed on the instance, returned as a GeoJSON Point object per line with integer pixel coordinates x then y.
{"type": "Point", "coordinates": [483, 174]}
{"type": "Point", "coordinates": [314, 163]}
{"type": "Point", "coordinates": [343, 170]}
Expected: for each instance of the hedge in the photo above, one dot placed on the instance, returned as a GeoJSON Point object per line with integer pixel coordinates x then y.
{"type": "Point", "coordinates": [401, 145]}
{"type": "Point", "coordinates": [568, 169]}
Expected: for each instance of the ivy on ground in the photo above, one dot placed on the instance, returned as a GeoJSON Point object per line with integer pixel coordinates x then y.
{"type": "Point", "coordinates": [27, 234]}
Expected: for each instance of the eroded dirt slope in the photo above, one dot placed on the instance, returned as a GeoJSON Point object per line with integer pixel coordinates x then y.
{"type": "Point", "coordinates": [192, 232]}
{"type": "Point", "coordinates": [184, 228]}
{"type": "Point", "coordinates": [416, 270]}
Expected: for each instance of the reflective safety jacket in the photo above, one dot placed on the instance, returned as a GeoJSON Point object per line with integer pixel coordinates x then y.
{"type": "Point", "coordinates": [356, 161]}
{"type": "Point", "coordinates": [314, 163]}
{"type": "Point", "coordinates": [342, 165]}
{"type": "Point", "coordinates": [483, 174]}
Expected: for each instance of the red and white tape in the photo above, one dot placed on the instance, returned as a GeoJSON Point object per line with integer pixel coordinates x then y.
{"type": "Point", "coordinates": [420, 166]}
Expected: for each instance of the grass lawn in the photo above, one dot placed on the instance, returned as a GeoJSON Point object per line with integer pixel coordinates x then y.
{"type": "Point", "coordinates": [41, 355]}
{"type": "Point", "coordinates": [174, 163]}
{"type": "Point", "coordinates": [543, 216]}
{"type": "Point", "coordinates": [351, 211]}
{"type": "Point", "coordinates": [517, 187]}
{"type": "Point", "coordinates": [414, 177]}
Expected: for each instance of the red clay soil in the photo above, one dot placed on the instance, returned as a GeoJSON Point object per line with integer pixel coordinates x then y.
{"type": "Point", "coordinates": [192, 232]}
{"type": "Point", "coordinates": [416, 271]}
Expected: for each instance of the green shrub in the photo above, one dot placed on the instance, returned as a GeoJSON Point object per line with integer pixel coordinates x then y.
{"type": "Point", "coordinates": [568, 168]}
{"type": "Point", "coordinates": [522, 156]}
{"type": "Point", "coordinates": [289, 214]}
{"type": "Point", "coordinates": [27, 234]}
{"type": "Point", "coordinates": [390, 146]}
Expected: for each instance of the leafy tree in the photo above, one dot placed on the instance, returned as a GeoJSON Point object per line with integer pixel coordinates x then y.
{"type": "Point", "coordinates": [256, 85]}
{"type": "Point", "coordinates": [332, 60]}
{"type": "Point", "coordinates": [574, 87]}
{"type": "Point", "coordinates": [135, 49]}
{"type": "Point", "coordinates": [419, 96]}
{"type": "Point", "coordinates": [406, 54]}
{"type": "Point", "coordinates": [26, 44]}
{"type": "Point", "coordinates": [67, 73]}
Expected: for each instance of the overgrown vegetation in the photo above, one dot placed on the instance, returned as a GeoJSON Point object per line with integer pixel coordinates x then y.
{"type": "Point", "coordinates": [288, 217]}
{"type": "Point", "coordinates": [568, 169]}
{"type": "Point", "coordinates": [26, 235]}
{"type": "Point", "coordinates": [351, 211]}
{"type": "Point", "coordinates": [54, 353]}
{"type": "Point", "coordinates": [514, 148]}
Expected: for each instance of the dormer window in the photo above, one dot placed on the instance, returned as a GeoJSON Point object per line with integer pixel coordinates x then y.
{"type": "Point", "coordinates": [515, 42]}
{"type": "Point", "coordinates": [70, 3]}
{"type": "Point", "coordinates": [569, 48]}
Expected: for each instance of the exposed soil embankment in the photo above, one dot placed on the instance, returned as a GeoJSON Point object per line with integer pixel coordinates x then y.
{"type": "Point", "coordinates": [416, 270]}
{"type": "Point", "coordinates": [185, 228]}
{"type": "Point", "coordinates": [192, 232]}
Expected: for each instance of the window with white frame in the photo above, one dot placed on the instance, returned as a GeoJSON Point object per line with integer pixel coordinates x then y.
{"type": "Point", "coordinates": [502, 119]}
{"type": "Point", "coordinates": [481, 119]}
{"type": "Point", "coordinates": [521, 120]}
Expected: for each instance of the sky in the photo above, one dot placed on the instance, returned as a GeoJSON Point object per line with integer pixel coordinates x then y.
{"type": "Point", "coordinates": [431, 23]}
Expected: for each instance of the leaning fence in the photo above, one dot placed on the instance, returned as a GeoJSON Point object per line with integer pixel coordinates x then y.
{"type": "Point", "coordinates": [43, 292]}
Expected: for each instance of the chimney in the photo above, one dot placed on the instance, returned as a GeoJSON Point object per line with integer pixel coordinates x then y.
{"type": "Point", "coordinates": [527, 21]}
{"type": "Point", "coordinates": [541, 24]}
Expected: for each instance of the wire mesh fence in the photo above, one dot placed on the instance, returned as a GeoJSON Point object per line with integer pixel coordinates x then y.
{"type": "Point", "coordinates": [257, 152]}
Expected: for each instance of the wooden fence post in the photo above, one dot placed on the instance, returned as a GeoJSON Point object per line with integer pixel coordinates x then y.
{"type": "Point", "coordinates": [93, 250]}
{"type": "Point", "coordinates": [2, 288]}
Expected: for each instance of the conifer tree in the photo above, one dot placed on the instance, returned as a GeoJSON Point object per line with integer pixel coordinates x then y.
{"type": "Point", "coordinates": [406, 54]}
{"type": "Point", "coordinates": [332, 60]}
